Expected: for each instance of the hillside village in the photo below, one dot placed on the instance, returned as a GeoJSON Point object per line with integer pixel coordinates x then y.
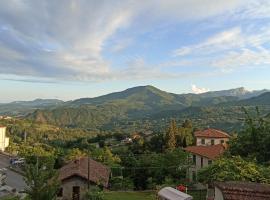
{"type": "Point", "coordinates": [179, 158]}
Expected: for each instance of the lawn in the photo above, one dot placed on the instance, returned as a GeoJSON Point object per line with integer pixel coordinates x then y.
{"type": "Point", "coordinates": [129, 195]}
{"type": "Point", "coordinates": [197, 195]}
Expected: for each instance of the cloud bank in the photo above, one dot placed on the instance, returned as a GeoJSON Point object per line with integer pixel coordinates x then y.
{"type": "Point", "coordinates": [66, 39]}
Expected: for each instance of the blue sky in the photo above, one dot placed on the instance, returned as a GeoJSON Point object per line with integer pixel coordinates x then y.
{"type": "Point", "coordinates": [70, 49]}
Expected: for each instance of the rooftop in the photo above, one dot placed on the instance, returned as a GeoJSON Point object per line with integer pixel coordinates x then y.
{"type": "Point", "coordinates": [98, 173]}
{"type": "Point", "coordinates": [211, 133]}
{"type": "Point", "coordinates": [233, 190]}
{"type": "Point", "coordinates": [211, 152]}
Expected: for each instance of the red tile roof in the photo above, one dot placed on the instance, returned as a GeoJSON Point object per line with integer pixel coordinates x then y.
{"type": "Point", "coordinates": [211, 133]}
{"type": "Point", "coordinates": [233, 190]}
{"type": "Point", "coordinates": [211, 152]}
{"type": "Point", "coordinates": [98, 173]}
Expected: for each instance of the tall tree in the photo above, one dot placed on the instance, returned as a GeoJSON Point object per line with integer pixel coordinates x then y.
{"type": "Point", "coordinates": [41, 179]}
{"type": "Point", "coordinates": [170, 137]}
{"type": "Point", "coordinates": [254, 141]}
{"type": "Point", "coordinates": [184, 136]}
{"type": "Point", "coordinates": [234, 169]}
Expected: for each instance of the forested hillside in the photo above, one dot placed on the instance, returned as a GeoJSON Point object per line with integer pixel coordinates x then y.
{"type": "Point", "coordinates": [143, 104]}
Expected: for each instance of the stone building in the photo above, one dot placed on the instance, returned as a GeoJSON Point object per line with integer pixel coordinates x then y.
{"type": "Point", "coordinates": [76, 175]}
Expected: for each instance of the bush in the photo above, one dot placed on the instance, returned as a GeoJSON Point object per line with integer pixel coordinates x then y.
{"type": "Point", "coordinates": [95, 193]}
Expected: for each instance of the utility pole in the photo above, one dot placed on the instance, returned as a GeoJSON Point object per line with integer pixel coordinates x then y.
{"type": "Point", "coordinates": [88, 170]}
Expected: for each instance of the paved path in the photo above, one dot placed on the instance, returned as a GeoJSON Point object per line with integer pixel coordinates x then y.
{"type": "Point", "coordinates": [13, 179]}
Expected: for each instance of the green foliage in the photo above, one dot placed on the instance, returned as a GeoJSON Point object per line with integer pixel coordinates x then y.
{"type": "Point", "coordinates": [254, 141]}
{"type": "Point", "coordinates": [41, 179]}
{"type": "Point", "coordinates": [234, 169]}
{"type": "Point", "coordinates": [73, 154]}
{"type": "Point", "coordinates": [149, 170]}
{"type": "Point", "coordinates": [105, 156]}
{"type": "Point", "coordinates": [95, 193]}
{"type": "Point", "coordinates": [170, 137]}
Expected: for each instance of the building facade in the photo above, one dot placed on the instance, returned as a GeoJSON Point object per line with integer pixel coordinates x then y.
{"type": "Point", "coordinates": [4, 141]}
{"type": "Point", "coordinates": [210, 144]}
{"type": "Point", "coordinates": [77, 176]}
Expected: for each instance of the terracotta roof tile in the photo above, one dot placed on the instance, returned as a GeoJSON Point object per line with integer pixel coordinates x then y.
{"type": "Point", "coordinates": [233, 190]}
{"type": "Point", "coordinates": [98, 173]}
{"type": "Point", "coordinates": [211, 152]}
{"type": "Point", "coordinates": [212, 133]}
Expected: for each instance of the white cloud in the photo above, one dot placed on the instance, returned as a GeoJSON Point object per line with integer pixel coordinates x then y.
{"type": "Point", "coordinates": [66, 39]}
{"type": "Point", "coordinates": [230, 49]}
{"type": "Point", "coordinates": [198, 90]}
{"type": "Point", "coordinates": [221, 41]}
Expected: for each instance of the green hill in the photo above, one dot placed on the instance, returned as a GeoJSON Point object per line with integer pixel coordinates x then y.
{"type": "Point", "coordinates": [149, 103]}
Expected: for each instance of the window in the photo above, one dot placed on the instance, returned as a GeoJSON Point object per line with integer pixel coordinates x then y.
{"type": "Point", "coordinates": [203, 141]}
{"type": "Point", "coordinates": [201, 161]}
{"type": "Point", "coordinates": [221, 141]}
{"type": "Point", "coordinates": [60, 192]}
{"type": "Point", "coordinates": [209, 162]}
{"type": "Point", "coordinates": [212, 142]}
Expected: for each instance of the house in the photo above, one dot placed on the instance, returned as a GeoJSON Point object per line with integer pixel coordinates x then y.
{"type": "Point", "coordinates": [202, 156]}
{"type": "Point", "coordinates": [4, 141]}
{"type": "Point", "coordinates": [211, 137]}
{"type": "Point", "coordinates": [78, 174]}
{"type": "Point", "coordinates": [210, 144]}
{"type": "Point", "coordinates": [233, 190]}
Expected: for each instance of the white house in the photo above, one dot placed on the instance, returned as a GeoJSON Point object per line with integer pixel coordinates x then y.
{"type": "Point", "coordinates": [4, 141]}
{"type": "Point", "coordinates": [210, 144]}
{"type": "Point", "coordinates": [211, 137]}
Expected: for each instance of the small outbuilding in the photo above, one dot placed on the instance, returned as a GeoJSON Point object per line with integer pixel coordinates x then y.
{"type": "Point", "coordinates": [169, 193]}
{"type": "Point", "coordinates": [78, 175]}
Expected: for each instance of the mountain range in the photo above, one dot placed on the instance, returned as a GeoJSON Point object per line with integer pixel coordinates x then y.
{"type": "Point", "coordinates": [139, 104]}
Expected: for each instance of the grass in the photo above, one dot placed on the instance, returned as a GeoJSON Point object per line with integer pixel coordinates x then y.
{"type": "Point", "coordinates": [149, 195]}
{"type": "Point", "coordinates": [129, 195]}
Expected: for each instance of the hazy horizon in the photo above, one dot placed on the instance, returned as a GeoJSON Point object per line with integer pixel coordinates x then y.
{"type": "Point", "coordinates": [195, 90]}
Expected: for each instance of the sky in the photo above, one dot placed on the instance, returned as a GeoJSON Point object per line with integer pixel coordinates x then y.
{"type": "Point", "coordinates": [68, 49]}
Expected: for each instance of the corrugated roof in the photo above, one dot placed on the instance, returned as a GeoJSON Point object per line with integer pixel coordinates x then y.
{"type": "Point", "coordinates": [173, 194]}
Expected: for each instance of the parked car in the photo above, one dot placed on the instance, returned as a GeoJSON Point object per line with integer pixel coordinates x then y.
{"type": "Point", "coordinates": [17, 161]}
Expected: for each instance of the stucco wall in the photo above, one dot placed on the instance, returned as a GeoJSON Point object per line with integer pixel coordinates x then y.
{"type": "Point", "coordinates": [208, 141]}
{"type": "Point", "coordinates": [198, 162]}
{"type": "Point", "coordinates": [4, 141]}
{"type": "Point", "coordinates": [218, 194]}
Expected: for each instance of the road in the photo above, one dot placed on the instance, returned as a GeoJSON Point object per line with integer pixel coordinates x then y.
{"type": "Point", "coordinates": [13, 179]}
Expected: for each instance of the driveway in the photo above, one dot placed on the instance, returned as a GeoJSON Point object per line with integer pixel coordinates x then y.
{"type": "Point", "coordinates": [13, 179]}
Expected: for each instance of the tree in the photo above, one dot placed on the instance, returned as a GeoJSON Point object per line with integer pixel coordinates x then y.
{"type": "Point", "coordinates": [234, 169]}
{"type": "Point", "coordinates": [74, 154]}
{"type": "Point", "coordinates": [105, 156]}
{"type": "Point", "coordinates": [41, 179]}
{"type": "Point", "coordinates": [254, 141]}
{"type": "Point", "coordinates": [170, 139]}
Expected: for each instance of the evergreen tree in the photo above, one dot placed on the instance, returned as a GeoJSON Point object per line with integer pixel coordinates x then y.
{"type": "Point", "coordinates": [170, 137]}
